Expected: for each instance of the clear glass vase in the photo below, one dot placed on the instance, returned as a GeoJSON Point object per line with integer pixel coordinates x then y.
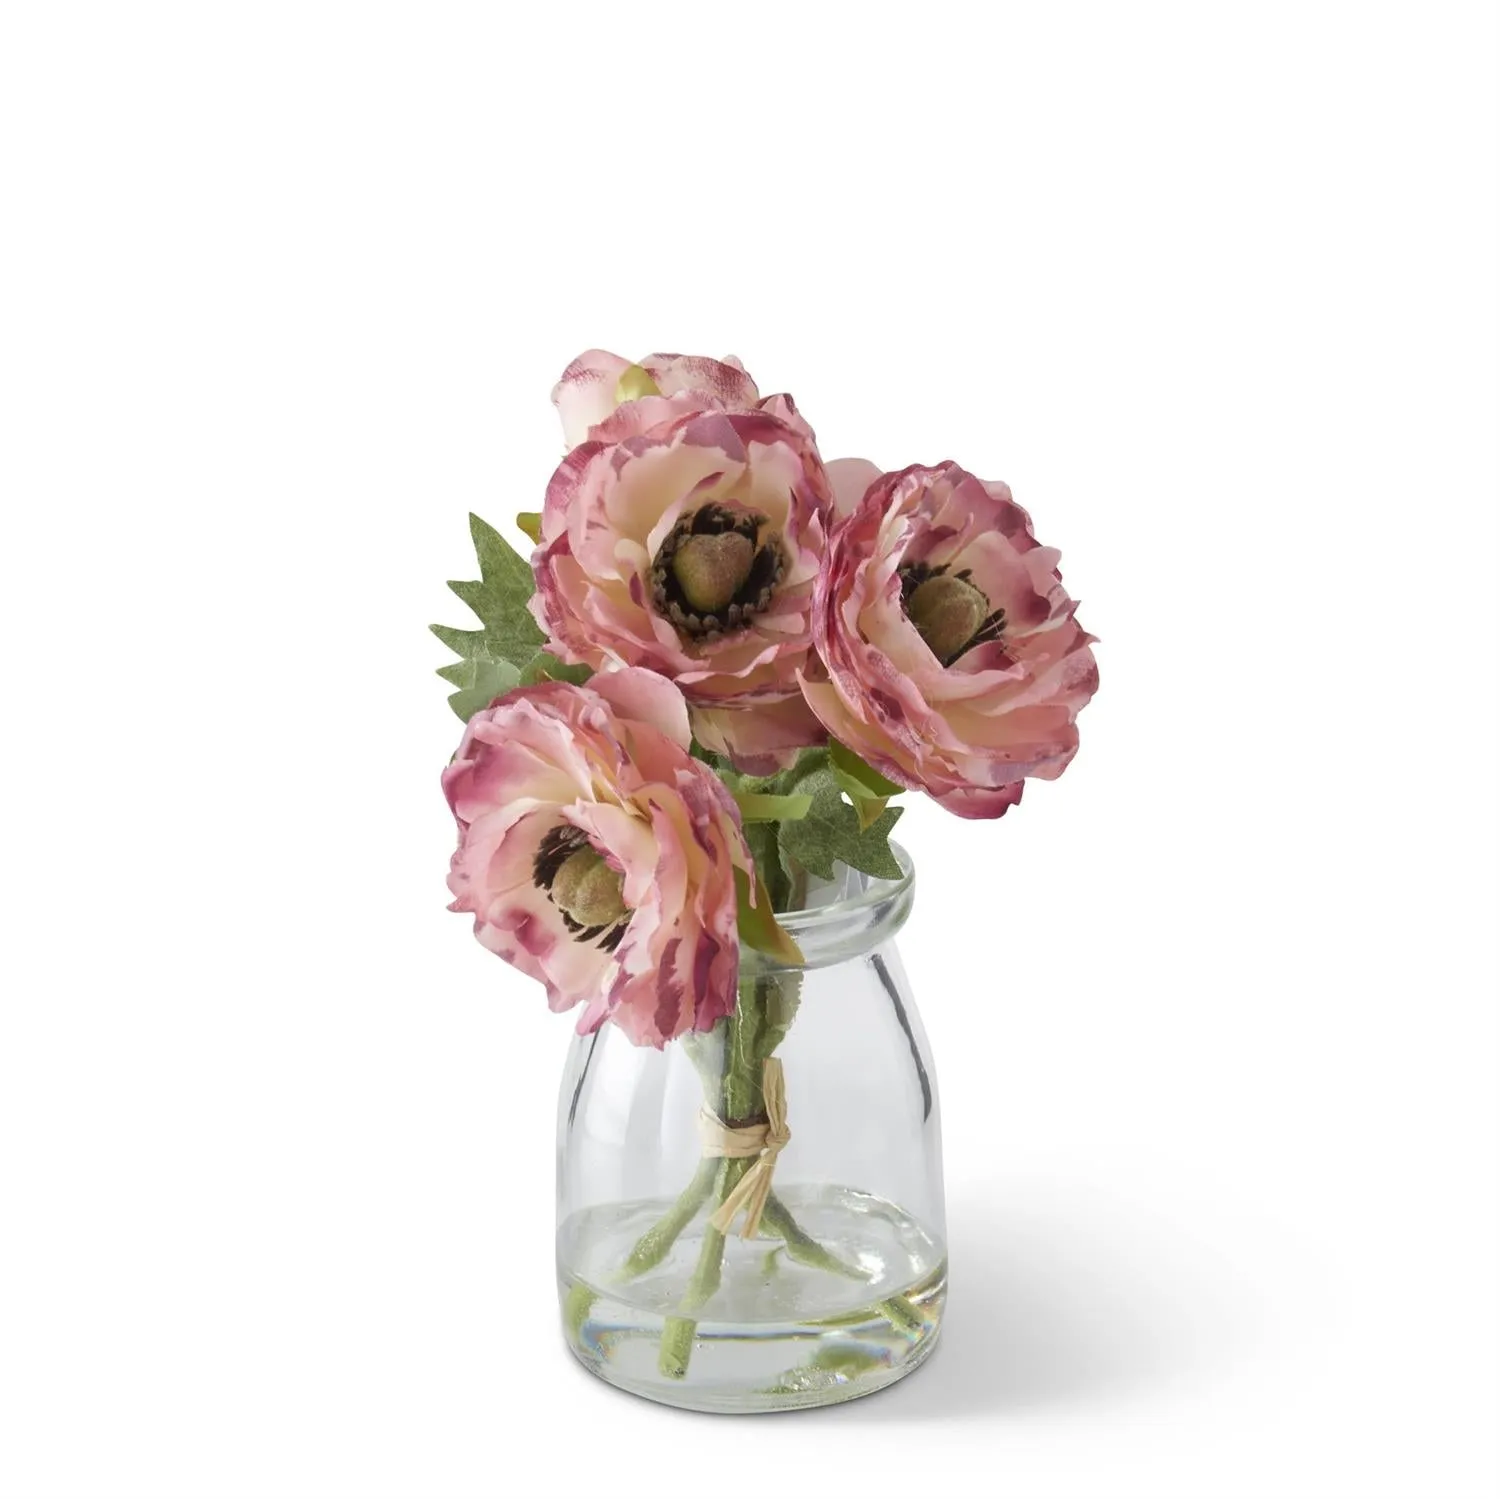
{"type": "Point", "coordinates": [665, 1156]}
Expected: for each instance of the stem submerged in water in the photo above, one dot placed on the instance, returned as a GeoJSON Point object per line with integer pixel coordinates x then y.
{"type": "Point", "coordinates": [656, 1243]}
{"type": "Point", "coordinates": [801, 1246]}
{"type": "Point", "coordinates": [739, 1090]}
{"type": "Point", "coordinates": [731, 1061]}
{"type": "Point", "coordinates": [677, 1336]}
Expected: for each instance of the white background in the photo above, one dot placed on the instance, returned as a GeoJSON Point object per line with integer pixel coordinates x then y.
{"type": "Point", "coordinates": [284, 292]}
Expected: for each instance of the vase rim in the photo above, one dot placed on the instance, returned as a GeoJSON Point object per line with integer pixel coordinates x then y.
{"type": "Point", "coordinates": [847, 927]}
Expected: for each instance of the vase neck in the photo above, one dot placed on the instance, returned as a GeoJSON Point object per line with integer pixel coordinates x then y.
{"type": "Point", "coordinates": [843, 919]}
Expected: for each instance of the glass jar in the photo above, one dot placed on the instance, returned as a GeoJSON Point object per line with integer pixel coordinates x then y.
{"type": "Point", "coordinates": [751, 1218]}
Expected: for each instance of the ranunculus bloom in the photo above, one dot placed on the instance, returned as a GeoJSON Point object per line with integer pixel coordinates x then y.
{"type": "Point", "coordinates": [693, 551]}
{"type": "Point", "coordinates": [954, 664]}
{"type": "Point", "coordinates": [602, 397]}
{"type": "Point", "coordinates": [598, 856]}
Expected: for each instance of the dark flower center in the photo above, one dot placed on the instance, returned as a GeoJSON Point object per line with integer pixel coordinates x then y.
{"type": "Point", "coordinates": [949, 612]}
{"type": "Point", "coordinates": [716, 570]}
{"type": "Point", "coordinates": [580, 883]}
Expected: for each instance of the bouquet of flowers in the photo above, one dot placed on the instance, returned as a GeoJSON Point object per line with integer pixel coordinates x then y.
{"type": "Point", "coordinates": [723, 662]}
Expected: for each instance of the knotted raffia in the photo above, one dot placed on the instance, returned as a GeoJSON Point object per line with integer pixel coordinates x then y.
{"type": "Point", "coordinates": [764, 1141]}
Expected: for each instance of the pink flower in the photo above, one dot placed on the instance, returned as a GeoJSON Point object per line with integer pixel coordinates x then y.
{"type": "Point", "coordinates": [604, 398]}
{"type": "Point", "coordinates": [954, 664]}
{"type": "Point", "coordinates": [693, 551]}
{"type": "Point", "coordinates": [598, 856]}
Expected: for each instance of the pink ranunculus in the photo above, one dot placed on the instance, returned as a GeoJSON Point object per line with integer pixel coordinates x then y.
{"type": "Point", "coordinates": [694, 551]}
{"type": "Point", "coordinates": [604, 398]}
{"type": "Point", "coordinates": [952, 660]}
{"type": "Point", "coordinates": [598, 856]}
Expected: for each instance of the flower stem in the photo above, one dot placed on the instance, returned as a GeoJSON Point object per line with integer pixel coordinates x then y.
{"type": "Point", "coordinates": [676, 1347]}
{"type": "Point", "coordinates": [677, 1335]}
{"type": "Point", "coordinates": [655, 1244]}
{"type": "Point", "coordinates": [900, 1313]}
{"type": "Point", "coordinates": [801, 1246]}
{"type": "Point", "coordinates": [732, 1077]}
{"type": "Point", "coordinates": [740, 1097]}
{"type": "Point", "coordinates": [576, 1310]}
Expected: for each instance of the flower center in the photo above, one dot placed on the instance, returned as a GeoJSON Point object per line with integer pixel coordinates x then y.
{"type": "Point", "coordinates": [949, 612]}
{"type": "Point", "coordinates": [716, 570]}
{"type": "Point", "coordinates": [580, 883]}
{"type": "Point", "coordinates": [588, 890]}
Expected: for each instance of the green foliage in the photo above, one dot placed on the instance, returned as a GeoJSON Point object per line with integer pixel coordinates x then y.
{"type": "Point", "coordinates": [867, 808]}
{"type": "Point", "coordinates": [545, 667]}
{"type": "Point", "coordinates": [843, 759]}
{"type": "Point", "coordinates": [757, 806]}
{"type": "Point", "coordinates": [765, 849]}
{"type": "Point", "coordinates": [780, 997]}
{"type": "Point", "coordinates": [829, 808]}
{"type": "Point", "coordinates": [759, 927]}
{"type": "Point", "coordinates": [507, 648]}
{"type": "Point", "coordinates": [480, 681]}
{"type": "Point", "coordinates": [831, 833]}
{"type": "Point", "coordinates": [834, 811]}
{"type": "Point", "coordinates": [866, 788]}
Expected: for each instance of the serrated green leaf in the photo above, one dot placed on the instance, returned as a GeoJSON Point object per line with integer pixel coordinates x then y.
{"type": "Point", "coordinates": [508, 648]}
{"type": "Point", "coordinates": [464, 642]}
{"type": "Point", "coordinates": [460, 673]}
{"type": "Point", "coordinates": [500, 596]}
{"type": "Point", "coordinates": [867, 806]}
{"type": "Point", "coordinates": [479, 683]}
{"type": "Point", "coordinates": [831, 834]}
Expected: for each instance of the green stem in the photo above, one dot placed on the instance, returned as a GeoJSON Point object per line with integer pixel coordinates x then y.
{"type": "Point", "coordinates": [904, 1317]}
{"type": "Point", "coordinates": [743, 1059]}
{"type": "Point", "coordinates": [654, 1245]}
{"type": "Point", "coordinates": [801, 1246]}
{"type": "Point", "coordinates": [579, 1304]}
{"type": "Point", "coordinates": [732, 1074]}
{"type": "Point", "coordinates": [677, 1336]}
{"type": "Point", "coordinates": [676, 1347]}
{"type": "Point", "coordinates": [740, 1097]}
{"type": "Point", "coordinates": [798, 896]}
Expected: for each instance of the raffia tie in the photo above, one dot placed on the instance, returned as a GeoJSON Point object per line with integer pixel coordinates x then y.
{"type": "Point", "coordinates": [763, 1141]}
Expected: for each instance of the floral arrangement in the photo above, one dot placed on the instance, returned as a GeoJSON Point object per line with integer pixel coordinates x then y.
{"type": "Point", "coordinates": [722, 663]}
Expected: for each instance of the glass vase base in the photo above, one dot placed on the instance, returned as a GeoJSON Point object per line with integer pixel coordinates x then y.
{"type": "Point", "coordinates": [849, 1303]}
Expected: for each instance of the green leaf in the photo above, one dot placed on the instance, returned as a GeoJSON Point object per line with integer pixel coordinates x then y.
{"type": "Point", "coordinates": [866, 807]}
{"type": "Point", "coordinates": [762, 838]}
{"type": "Point", "coordinates": [759, 927]}
{"type": "Point", "coordinates": [529, 523]}
{"type": "Point", "coordinates": [545, 667]}
{"type": "Point", "coordinates": [507, 649]}
{"type": "Point", "coordinates": [780, 995]}
{"type": "Point", "coordinates": [717, 763]}
{"type": "Point", "coordinates": [831, 833]}
{"type": "Point", "coordinates": [841, 757]}
{"type": "Point", "coordinates": [479, 682]}
{"type": "Point", "coordinates": [500, 596]}
{"type": "Point", "coordinates": [756, 806]}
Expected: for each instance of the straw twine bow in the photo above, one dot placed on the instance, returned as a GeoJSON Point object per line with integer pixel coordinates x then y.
{"type": "Point", "coordinates": [764, 1141]}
